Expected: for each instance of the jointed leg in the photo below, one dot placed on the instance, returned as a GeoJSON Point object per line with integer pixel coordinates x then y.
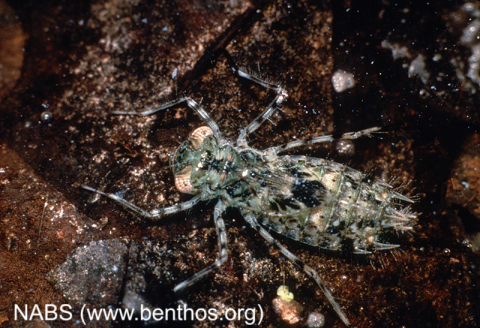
{"type": "Point", "coordinates": [223, 250]}
{"type": "Point", "coordinates": [346, 136]}
{"type": "Point", "coordinates": [191, 103]}
{"type": "Point", "coordinates": [250, 218]}
{"type": "Point", "coordinates": [271, 108]}
{"type": "Point", "coordinates": [154, 214]}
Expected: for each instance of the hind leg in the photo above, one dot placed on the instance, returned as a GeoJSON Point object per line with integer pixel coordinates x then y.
{"type": "Point", "coordinates": [250, 218]}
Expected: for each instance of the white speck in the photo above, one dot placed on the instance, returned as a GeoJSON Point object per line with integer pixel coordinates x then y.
{"type": "Point", "coordinates": [342, 81]}
{"type": "Point", "coordinates": [418, 67]}
{"type": "Point", "coordinates": [315, 320]}
{"type": "Point", "coordinates": [469, 6]}
{"type": "Point", "coordinates": [345, 147]}
{"type": "Point", "coordinates": [470, 33]}
{"type": "Point", "coordinates": [397, 51]}
{"type": "Point", "coordinates": [474, 67]}
{"type": "Point", "coordinates": [174, 74]}
{"type": "Point", "coordinates": [465, 184]}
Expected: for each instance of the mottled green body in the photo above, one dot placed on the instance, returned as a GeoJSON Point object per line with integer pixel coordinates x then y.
{"type": "Point", "coordinates": [315, 201]}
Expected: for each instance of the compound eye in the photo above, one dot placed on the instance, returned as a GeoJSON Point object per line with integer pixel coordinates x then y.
{"type": "Point", "coordinates": [197, 136]}
{"type": "Point", "coordinates": [182, 180]}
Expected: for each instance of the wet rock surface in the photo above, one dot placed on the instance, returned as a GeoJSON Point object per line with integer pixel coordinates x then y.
{"type": "Point", "coordinates": [410, 67]}
{"type": "Point", "coordinates": [92, 274]}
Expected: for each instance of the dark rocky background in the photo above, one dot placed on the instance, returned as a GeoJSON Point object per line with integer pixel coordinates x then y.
{"type": "Point", "coordinates": [65, 66]}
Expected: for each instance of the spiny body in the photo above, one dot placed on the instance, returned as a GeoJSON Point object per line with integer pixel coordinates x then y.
{"type": "Point", "coordinates": [311, 200]}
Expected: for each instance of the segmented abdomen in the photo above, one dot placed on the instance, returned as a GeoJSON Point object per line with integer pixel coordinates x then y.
{"type": "Point", "coordinates": [330, 205]}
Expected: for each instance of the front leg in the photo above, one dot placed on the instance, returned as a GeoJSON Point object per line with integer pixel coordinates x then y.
{"type": "Point", "coordinates": [154, 214]}
{"type": "Point", "coordinates": [190, 103]}
{"type": "Point", "coordinates": [299, 143]}
{"type": "Point", "coordinates": [222, 246]}
{"type": "Point", "coordinates": [271, 108]}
